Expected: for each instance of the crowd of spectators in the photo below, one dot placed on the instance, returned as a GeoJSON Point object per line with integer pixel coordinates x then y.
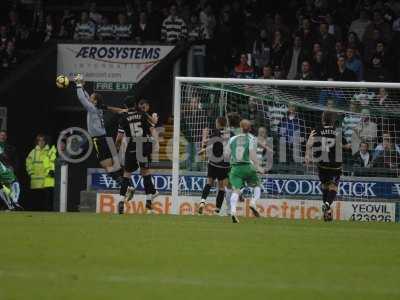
{"type": "Point", "coordinates": [309, 39]}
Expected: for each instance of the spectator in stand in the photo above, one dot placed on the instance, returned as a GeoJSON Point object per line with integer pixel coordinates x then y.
{"type": "Point", "coordinates": [353, 63]}
{"type": "Point", "coordinates": [40, 167]}
{"type": "Point", "coordinates": [8, 153]}
{"type": "Point", "coordinates": [366, 131]}
{"type": "Point", "coordinates": [130, 13]}
{"type": "Point", "coordinates": [362, 158]}
{"type": "Point", "coordinates": [316, 48]}
{"type": "Point", "coordinates": [290, 130]}
{"type": "Point", "coordinates": [278, 24]}
{"type": "Point", "coordinates": [143, 29]}
{"type": "Point", "coordinates": [377, 72]}
{"type": "Point", "coordinates": [339, 50]}
{"type": "Point", "coordinates": [278, 48]}
{"type": "Point", "coordinates": [94, 15]}
{"type": "Point", "coordinates": [305, 73]}
{"type": "Point", "coordinates": [267, 72]}
{"type": "Point", "coordinates": [224, 34]}
{"type": "Point", "coordinates": [306, 33]}
{"type": "Point", "coordinates": [264, 151]}
{"type": "Point", "coordinates": [17, 31]}
{"type": "Point", "coordinates": [332, 97]}
{"type": "Point", "coordinates": [9, 55]}
{"type": "Point", "coordinates": [261, 50]}
{"type": "Point", "coordinates": [353, 41]}
{"type": "Point", "coordinates": [370, 45]}
{"type": "Point", "coordinates": [378, 22]}
{"type": "Point", "coordinates": [293, 58]}
{"type": "Point", "coordinates": [196, 30]}
{"type": "Point", "coordinates": [207, 19]}
{"type": "Point", "coordinates": [387, 140]}
{"type": "Point", "coordinates": [105, 30]}
{"type": "Point", "coordinates": [321, 68]}
{"type": "Point", "coordinates": [193, 113]}
{"type": "Point", "coordinates": [154, 20]}
{"type": "Point", "coordinates": [243, 69]}
{"type": "Point", "coordinates": [278, 73]}
{"type": "Point", "coordinates": [387, 153]}
{"type": "Point", "coordinates": [359, 25]}
{"type": "Point", "coordinates": [325, 39]}
{"type": "Point", "coordinates": [173, 27]}
{"type": "Point", "coordinates": [197, 35]}
{"type": "Point", "coordinates": [383, 97]}
{"type": "Point", "coordinates": [123, 31]}
{"type": "Point", "coordinates": [4, 37]}
{"type": "Point", "coordinates": [350, 121]}
{"type": "Point", "coordinates": [334, 29]}
{"type": "Point", "coordinates": [85, 29]}
{"type": "Point", "coordinates": [67, 25]}
{"type": "Point", "coordinates": [49, 28]}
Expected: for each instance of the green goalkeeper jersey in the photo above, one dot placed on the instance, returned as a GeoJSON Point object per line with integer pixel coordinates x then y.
{"type": "Point", "coordinates": [240, 146]}
{"type": "Point", "coordinates": [6, 175]}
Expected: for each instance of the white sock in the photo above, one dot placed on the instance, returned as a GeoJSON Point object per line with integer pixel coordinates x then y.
{"type": "Point", "coordinates": [256, 196]}
{"type": "Point", "coordinates": [234, 200]}
{"type": "Point", "coordinates": [228, 194]}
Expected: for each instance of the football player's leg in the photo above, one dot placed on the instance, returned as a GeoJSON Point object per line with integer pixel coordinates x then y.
{"type": "Point", "coordinates": [149, 189]}
{"type": "Point", "coordinates": [15, 192]}
{"type": "Point", "coordinates": [206, 191]}
{"type": "Point", "coordinates": [332, 192]}
{"type": "Point", "coordinates": [108, 157]}
{"type": "Point", "coordinates": [5, 193]}
{"type": "Point", "coordinates": [254, 181]}
{"type": "Point", "coordinates": [222, 183]}
{"type": "Point", "coordinates": [127, 190]}
{"type": "Point", "coordinates": [237, 182]}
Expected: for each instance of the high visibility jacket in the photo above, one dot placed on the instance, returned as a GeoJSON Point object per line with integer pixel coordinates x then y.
{"type": "Point", "coordinates": [39, 164]}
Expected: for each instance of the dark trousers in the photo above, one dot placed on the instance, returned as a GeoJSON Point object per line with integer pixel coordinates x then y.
{"type": "Point", "coordinates": [42, 199]}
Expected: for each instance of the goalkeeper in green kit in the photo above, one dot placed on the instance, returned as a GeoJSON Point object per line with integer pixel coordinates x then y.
{"type": "Point", "coordinates": [244, 168]}
{"type": "Point", "coordinates": [9, 187]}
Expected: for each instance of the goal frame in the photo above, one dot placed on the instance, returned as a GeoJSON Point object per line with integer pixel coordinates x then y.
{"type": "Point", "coordinates": [297, 83]}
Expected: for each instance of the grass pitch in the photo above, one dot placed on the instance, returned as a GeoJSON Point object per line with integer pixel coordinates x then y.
{"type": "Point", "coordinates": [90, 256]}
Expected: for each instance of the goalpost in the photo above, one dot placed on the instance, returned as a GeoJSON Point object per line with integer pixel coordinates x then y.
{"type": "Point", "coordinates": [287, 110]}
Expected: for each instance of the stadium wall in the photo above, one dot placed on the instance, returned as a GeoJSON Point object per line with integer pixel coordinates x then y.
{"type": "Point", "coordinates": [270, 208]}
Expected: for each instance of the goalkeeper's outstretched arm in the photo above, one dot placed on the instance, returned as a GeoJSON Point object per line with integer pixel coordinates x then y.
{"type": "Point", "coordinates": [83, 96]}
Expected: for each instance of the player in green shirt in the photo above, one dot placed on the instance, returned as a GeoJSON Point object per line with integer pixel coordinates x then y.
{"type": "Point", "coordinates": [244, 167]}
{"type": "Point", "coordinates": [9, 187]}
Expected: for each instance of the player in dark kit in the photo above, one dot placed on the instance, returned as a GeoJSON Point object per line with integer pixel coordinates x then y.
{"type": "Point", "coordinates": [324, 146]}
{"type": "Point", "coordinates": [218, 164]}
{"type": "Point", "coordinates": [138, 127]}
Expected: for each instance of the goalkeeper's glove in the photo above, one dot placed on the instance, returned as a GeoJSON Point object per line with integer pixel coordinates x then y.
{"type": "Point", "coordinates": [79, 80]}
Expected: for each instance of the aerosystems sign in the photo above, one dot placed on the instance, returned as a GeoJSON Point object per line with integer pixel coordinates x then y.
{"type": "Point", "coordinates": [109, 63]}
{"type": "Point", "coordinates": [269, 208]}
{"type": "Point", "coordinates": [272, 185]}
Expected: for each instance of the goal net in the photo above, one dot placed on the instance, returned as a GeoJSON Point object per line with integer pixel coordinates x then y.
{"type": "Point", "coordinates": [282, 114]}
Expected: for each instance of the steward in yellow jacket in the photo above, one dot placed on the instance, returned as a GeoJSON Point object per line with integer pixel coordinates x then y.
{"type": "Point", "coordinates": [40, 164]}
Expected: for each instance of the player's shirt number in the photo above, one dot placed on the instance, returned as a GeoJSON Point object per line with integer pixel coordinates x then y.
{"type": "Point", "coordinates": [136, 129]}
{"type": "Point", "coordinates": [327, 144]}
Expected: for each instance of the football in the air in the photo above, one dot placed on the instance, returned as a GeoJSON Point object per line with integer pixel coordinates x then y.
{"type": "Point", "coordinates": [62, 81]}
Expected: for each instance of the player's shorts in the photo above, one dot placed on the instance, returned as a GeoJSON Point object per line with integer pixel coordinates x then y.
{"type": "Point", "coordinates": [327, 176]}
{"type": "Point", "coordinates": [133, 161]}
{"type": "Point", "coordinates": [100, 145]}
{"type": "Point", "coordinates": [217, 173]}
{"type": "Point", "coordinates": [243, 174]}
